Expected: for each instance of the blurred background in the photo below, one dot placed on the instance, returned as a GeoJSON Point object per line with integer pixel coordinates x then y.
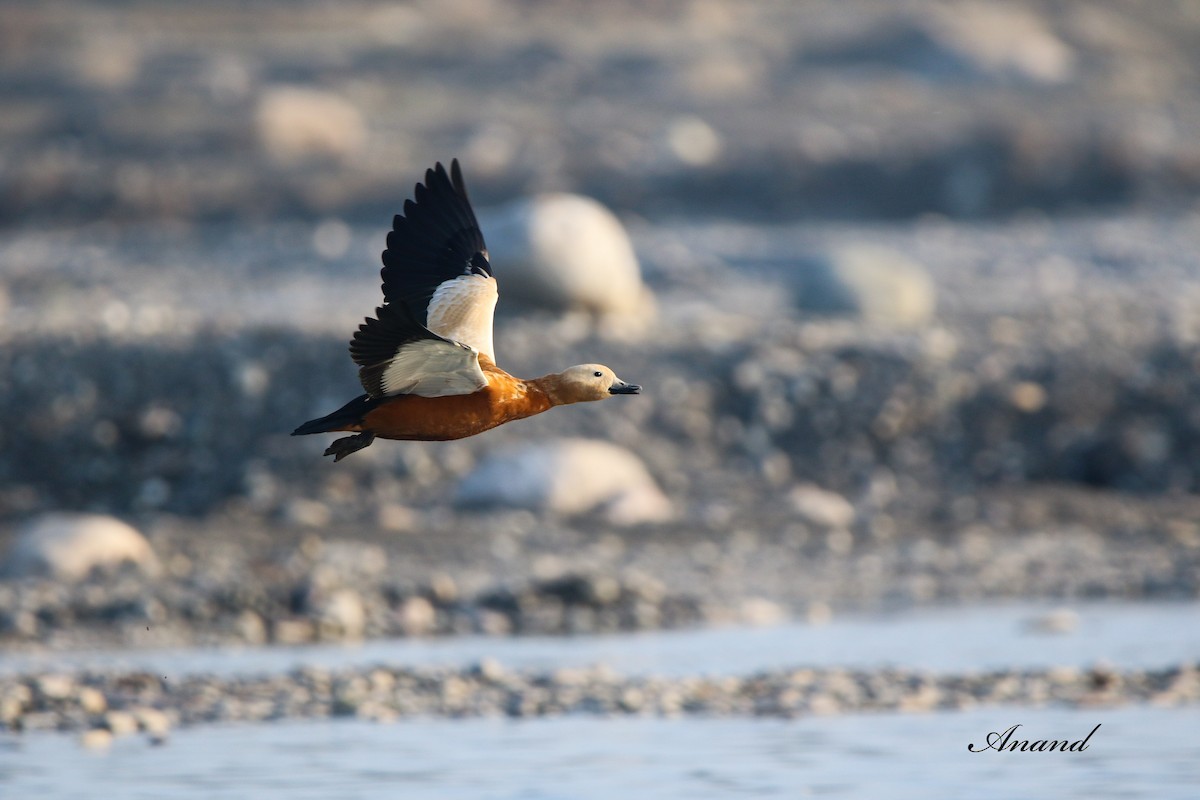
{"type": "Point", "coordinates": [913, 289]}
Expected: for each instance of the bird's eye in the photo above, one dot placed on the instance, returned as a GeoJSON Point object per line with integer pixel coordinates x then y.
{"type": "Point", "coordinates": [598, 374]}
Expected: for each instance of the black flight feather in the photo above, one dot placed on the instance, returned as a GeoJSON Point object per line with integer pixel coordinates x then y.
{"type": "Point", "coordinates": [378, 339]}
{"type": "Point", "coordinates": [435, 240]}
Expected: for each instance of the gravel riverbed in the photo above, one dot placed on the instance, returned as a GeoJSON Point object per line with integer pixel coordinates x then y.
{"type": "Point", "coordinates": [138, 701]}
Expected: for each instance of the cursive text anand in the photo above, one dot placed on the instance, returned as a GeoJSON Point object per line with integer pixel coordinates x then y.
{"type": "Point", "coordinates": [1001, 741]}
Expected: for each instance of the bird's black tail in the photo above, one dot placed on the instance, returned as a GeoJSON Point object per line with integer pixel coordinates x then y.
{"type": "Point", "coordinates": [350, 414]}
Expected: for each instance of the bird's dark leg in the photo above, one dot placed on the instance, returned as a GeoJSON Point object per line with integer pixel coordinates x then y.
{"type": "Point", "coordinates": [350, 444]}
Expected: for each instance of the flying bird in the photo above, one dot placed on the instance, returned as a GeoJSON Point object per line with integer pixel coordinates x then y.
{"type": "Point", "coordinates": [426, 359]}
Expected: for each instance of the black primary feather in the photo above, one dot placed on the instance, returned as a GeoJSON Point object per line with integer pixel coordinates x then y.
{"type": "Point", "coordinates": [435, 240]}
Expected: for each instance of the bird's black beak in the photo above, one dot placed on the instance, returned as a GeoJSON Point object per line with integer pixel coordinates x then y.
{"type": "Point", "coordinates": [621, 387]}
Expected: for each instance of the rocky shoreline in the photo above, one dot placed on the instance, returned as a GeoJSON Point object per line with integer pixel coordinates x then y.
{"type": "Point", "coordinates": [103, 705]}
{"type": "Point", "coordinates": [283, 587]}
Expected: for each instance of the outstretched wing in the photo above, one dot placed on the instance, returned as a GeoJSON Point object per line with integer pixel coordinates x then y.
{"type": "Point", "coordinates": [398, 355]}
{"type": "Point", "coordinates": [436, 262]}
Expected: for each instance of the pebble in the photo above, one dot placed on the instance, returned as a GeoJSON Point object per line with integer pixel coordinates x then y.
{"type": "Point", "coordinates": [121, 723]}
{"type": "Point", "coordinates": [821, 507]}
{"type": "Point", "coordinates": [1059, 622]}
{"type": "Point", "coordinates": [92, 700]}
{"type": "Point", "coordinates": [417, 616]}
{"type": "Point", "coordinates": [55, 687]}
{"type": "Point", "coordinates": [293, 631]}
{"type": "Point", "coordinates": [760, 612]}
{"type": "Point", "coordinates": [251, 628]}
{"type": "Point", "coordinates": [96, 739]}
{"type": "Point", "coordinates": [342, 615]}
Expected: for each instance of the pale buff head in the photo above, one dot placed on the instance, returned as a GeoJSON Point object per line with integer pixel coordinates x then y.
{"type": "Point", "coordinates": [586, 382]}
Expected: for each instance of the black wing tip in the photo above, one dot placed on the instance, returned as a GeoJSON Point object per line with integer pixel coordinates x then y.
{"type": "Point", "coordinates": [456, 178]}
{"type": "Point", "coordinates": [435, 238]}
{"type": "Point", "coordinates": [453, 178]}
{"type": "Point", "coordinates": [436, 179]}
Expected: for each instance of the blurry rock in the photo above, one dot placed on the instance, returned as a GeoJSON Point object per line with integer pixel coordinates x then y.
{"type": "Point", "coordinates": [342, 615]}
{"type": "Point", "coordinates": [417, 616]}
{"type": "Point", "coordinates": [296, 124]}
{"type": "Point", "coordinates": [292, 631]}
{"type": "Point", "coordinates": [65, 545]}
{"type": "Point", "coordinates": [331, 238]}
{"type": "Point", "coordinates": [107, 61]}
{"type": "Point", "coordinates": [250, 627]}
{"type": "Point", "coordinates": [567, 476]}
{"type": "Point", "coordinates": [395, 517]}
{"type": "Point", "coordinates": [1027, 396]}
{"type": "Point", "coordinates": [121, 723]}
{"type": "Point", "coordinates": [877, 284]}
{"type": "Point", "coordinates": [55, 687]}
{"type": "Point", "coordinates": [492, 148]}
{"type": "Point", "coordinates": [493, 623]}
{"type": "Point", "coordinates": [1004, 39]}
{"type": "Point", "coordinates": [760, 612]}
{"type": "Point", "coordinates": [92, 700]}
{"type": "Point", "coordinates": [821, 507]}
{"type": "Point", "coordinates": [307, 513]}
{"type": "Point", "coordinates": [639, 504]}
{"type": "Point", "coordinates": [575, 589]}
{"type": "Point", "coordinates": [563, 252]}
{"type": "Point", "coordinates": [970, 40]}
{"type": "Point", "coordinates": [227, 76]}
{"type": "Point", "coordinates": [96, 739]}
{"type": "Point", "coordinates": [1058, 622]}
{"type": "Point", "coordinates": [839, 541]}
{"type": "Point", "coordinates": [693, 141]}
{"type": "Point", "coordinates": [152, 721]}
{"type": "Point", "coordinates": [724, 72]}
{"type": "Point", "coordinates": [443, 587]}
{"type": "Point", "coordinates": [818, 613]}
{"type": "Point", "coordinates": [345, 561]}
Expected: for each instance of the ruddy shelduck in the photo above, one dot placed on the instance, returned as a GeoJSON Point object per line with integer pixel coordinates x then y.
{"type": "Point", "coordinates": [426, 358]}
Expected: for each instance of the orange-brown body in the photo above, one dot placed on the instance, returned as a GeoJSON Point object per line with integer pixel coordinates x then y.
{"type": "Point", "coordinates": [502, 399]}
{"type": "Point", "coordinates": [435, 419]}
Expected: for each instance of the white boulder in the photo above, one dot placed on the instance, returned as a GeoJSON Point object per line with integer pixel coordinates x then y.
{"type": "Point", "coordinates": [567, 476]}
{"type": "Point", "coordinates": [566, 252]}
{"type": "Point", "coordinates": [876, 284]}
{"type": "Point", "coordinates": [66, 545]}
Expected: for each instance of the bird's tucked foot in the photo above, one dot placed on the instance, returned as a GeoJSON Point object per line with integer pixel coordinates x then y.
{"type": "Point", "coordinates": [350, 444]}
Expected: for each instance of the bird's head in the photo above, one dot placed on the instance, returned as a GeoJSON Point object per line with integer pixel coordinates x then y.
{"type": "Point", "coordinates": [585, 382]}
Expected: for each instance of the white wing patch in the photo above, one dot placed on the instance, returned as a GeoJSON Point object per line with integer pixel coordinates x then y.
{"type": "Point", "coordinates": [432, 368]}
{"type": "Point", "coordinates": [461, 309]}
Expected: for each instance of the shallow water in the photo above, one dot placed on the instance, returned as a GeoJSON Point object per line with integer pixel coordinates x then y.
{"type": "Point", "coordinates": [1138, 752]}
{"type": "Point", "coordinates": [1129, 635]}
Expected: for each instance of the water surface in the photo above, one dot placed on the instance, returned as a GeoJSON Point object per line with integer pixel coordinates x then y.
{"type": "Point", "coordinates": [1138, 753]}
{"type": "Point", "coordinates": [1126, 635]}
